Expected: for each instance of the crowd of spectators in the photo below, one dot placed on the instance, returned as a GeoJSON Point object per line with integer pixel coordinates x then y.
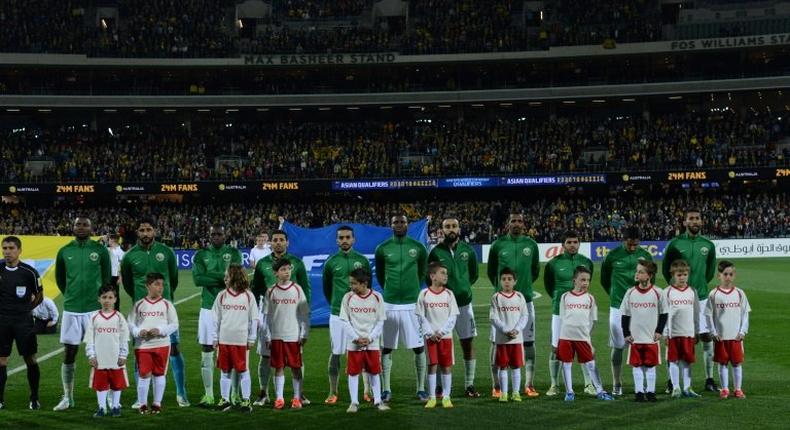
{"type": "Point", "coordinates": [659, 214]}
{"type": "Point", "coordinates": [380, 149]}
{"type": "Point", "coordinates": [204, 28]}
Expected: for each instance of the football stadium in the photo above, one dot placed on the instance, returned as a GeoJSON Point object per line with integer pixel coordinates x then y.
{"type": "Point", "coordinates": [555, 214]}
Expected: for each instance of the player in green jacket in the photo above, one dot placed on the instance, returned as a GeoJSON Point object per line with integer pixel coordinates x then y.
{"type": "Point", "coordinates": [263, 279]}
{"type": "Point", "coordinates": [617, 276]}
{"type": "Point", "coordinates": [558, 280]}
{"type": "Point", "coordinates": [82, 267]}
{"type": "Point", "coordinates": [150, 256]}
{"type": "Point", "coordinates": [519, 253]}
{"type": "Point", "coordinates": [335, 280]}
{"type": "Point", "coordinates": [700, 253]}
{"type": "Point", "coordinates": [208, 273]}
{"type": "Point", "coordinates": [401, 266]}
{"type": "Point", "coordinates": [462, 272]}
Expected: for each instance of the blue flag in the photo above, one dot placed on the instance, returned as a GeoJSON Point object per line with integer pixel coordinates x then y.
{"type": "Point", "coordinates": [315, 245]}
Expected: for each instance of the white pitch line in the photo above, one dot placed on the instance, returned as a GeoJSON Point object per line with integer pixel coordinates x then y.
{"type": "Point", "coordinates": [56, 352]}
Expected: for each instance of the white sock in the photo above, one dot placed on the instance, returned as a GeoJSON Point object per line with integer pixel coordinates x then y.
{"type": "Point", "coordinates": [651, 379]}
{"type": "Point", "coordinates": [297, 383]}
{"type": "Point", "coordinates": [737, 375]}
{"type": "Point", "coordinates": [567, 374]}
{"type": "Point", "coordinates": [503, 381]}
{"type": "Point", "coordinates": [246, 384]}
{"type": "Point", "coordinates": [685, 370]}
{"type": "Point", "coordinates": [116, 399]}
{"type": "Point", "coordinates": [432, 385]}
{"type": "Point", "coordinates": [207, 372]}
{"type": "Point", "coordinates": [142, 390]}
{"type": "Point", "coordinates": [279, 386]}
{"type": "Point", "coordinates": [516, 375]}
{"type": "Point", "coordinates": [447, 383]}
{"type": "Point", "coordinates": [159, 389]}
{"type": "Point", "coordinates": [353, 389]}
{"type": "Point", "coordinates": [639, 379]}
{"type": "Point", "coordinates": [224, 385]}
{"type": "Point", "coordinates": [101, 397]}
{"type": "Point", "coordinates": [674, 374]}
{"type": "Point", "coordinates": [375, 386]}
{"type": "Point", "coordinates": [595, 378]}
{"type": "Point", "coordinates": [724, 374]}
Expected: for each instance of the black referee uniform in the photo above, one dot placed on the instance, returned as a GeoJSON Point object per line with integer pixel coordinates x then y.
{"type": "Point", "coordinates": [17, 286]}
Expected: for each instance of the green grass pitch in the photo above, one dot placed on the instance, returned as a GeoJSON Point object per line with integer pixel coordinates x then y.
{"type": "Point", "coordinates": [766, 381]}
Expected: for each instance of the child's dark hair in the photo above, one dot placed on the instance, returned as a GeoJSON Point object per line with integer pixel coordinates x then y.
{"type": "Point", "coordinates": [679, 266]}
{"type": "Point", "coordinates": [237, 277]}
{"type": "Point", "coordinates": [153, 277]}
{"type": "Point", "coordinates": [434, 267]}
{"type": "Point", "coordinates": [507, 271]}
{"type": "Point", "coordinates": [360, 275]}
{"type": "Point", "coordinates": [107, 289]}
{"type": "Point", "coordinates": [579, 270]}
{"type": "Point", "coordinates": [281, 263]}
{"type": "Point", "coordinates": [649, 266]}
{"type": "Point", "coordinates": [724, 265]}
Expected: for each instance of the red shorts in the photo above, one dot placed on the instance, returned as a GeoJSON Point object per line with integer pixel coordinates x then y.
{"type": "Point", "coordinates": [369, 360]}
{"type": "Point", "coordinates": [509, 355]}
{"type": "Point", "coordinates": [644, 354]}
{"type": "Point", "coordinates": [152, 361]}
{"type": "Point", "coordinates": [440, 352]}
{"type": "Point", "coordinates": [285, 353]}
{"type": "Point", "coordinates": [109, 379]}
{"type": "Point", "coordinates": [567, 348]}
{"type": "Point", "coordinates": [728, 351]}
{"type": "Point", "coordinates": [232, 357]}
{"type": "Point", "coordinates": [681, 348]}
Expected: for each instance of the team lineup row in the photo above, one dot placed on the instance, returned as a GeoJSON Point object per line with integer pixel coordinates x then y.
{"type": "Point", "coordinates": [401, 266]}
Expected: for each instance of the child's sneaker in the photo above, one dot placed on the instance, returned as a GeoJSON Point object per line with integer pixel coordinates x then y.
{"type": "Point", "coordinates": [690, 394]}
{"type": "Point", "coordinates": [279, 403]}
{"type": "Point", "coordinates": [366, 398]}
{"type": "Point", "coordinates": [143, 409]}
{"type": "Point", "coordinates": [115, 412]}
{"type": "Point", "coordinates": [382, 407]}
{"type": "Point", "coordinates": [590, 390]}
{"type": "Point", "coordinates": [496, 393]}
{"type": "Point", "coordinates": [530, 391]}
{"type": "Point", "coordinates": [515, 396]}
{"type": "Point", "coordinates": [724, 393]}
{"type": "Point", "coordinates": [651, 397]}
{"type": "Point", "coordinates": [156, 409]}
{"type": "Point", "coordinates": [570, 397]}
{"type": "Point", "coordinates": [352, 408]}
{"type": "Point", "coordinates": [447, 403]}
{"type": "Point", "coordinates": [503, 397]}
{"type": "Point", "coordinates": [617, 390]}
{"type": "Point", "coordinates": [471, 392]}
{"type": "Point", "coordinates": [100, 413]}
{"type": "Point", "coordinates": [246, 406]}
{"type": "Point", "coordinates": [296, 403]}
{"type": "Point", "coordinates": [739, 394]}
{"type": "Point", "coordinates": [423, 396]}
{"type": "Point", "coordinates": [553, 391]}
{"type": "Point", "coordinates": [224, 405]}
{"type": "Point", "coordinates": [261, 401]}
{"type": "Point", "coordinates": [331, 400]}
{"type": "Point", "coordinates": [639, 398]}
{"type": "Point", "coordinates": [431, 403]}
{"type": "Point", "coordinates": [206, 402]}
{"type": "Point", "coordinates": [676, 393]}
{"type": "Point", "coordinates": [603, 395]}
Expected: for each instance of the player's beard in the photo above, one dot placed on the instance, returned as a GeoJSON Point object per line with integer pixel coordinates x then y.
{"type": "Point", "coordinates": [694, 230]}
{"type": "Point", "coordinates": [450, 238]}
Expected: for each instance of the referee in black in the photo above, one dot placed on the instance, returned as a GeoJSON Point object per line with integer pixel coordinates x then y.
{"type": "Point", "coordinates": [20, 292]}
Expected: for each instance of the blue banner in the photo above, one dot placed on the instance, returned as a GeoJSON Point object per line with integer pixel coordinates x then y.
{"type": "Point", "coordinates": [600, 249]}
{"type": "Point", "coordinates": [315, 245]}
